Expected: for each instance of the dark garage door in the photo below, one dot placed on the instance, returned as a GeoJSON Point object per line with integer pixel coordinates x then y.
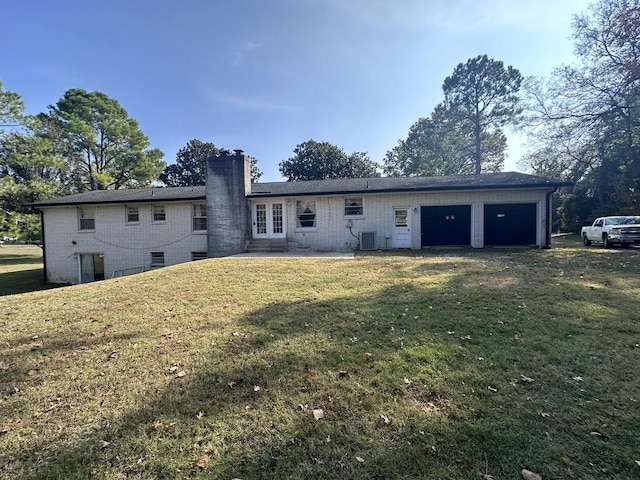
{"type": "Point", "coordinates": [445, 225]}
{"type": "Point", "coordinates": [510, 224]}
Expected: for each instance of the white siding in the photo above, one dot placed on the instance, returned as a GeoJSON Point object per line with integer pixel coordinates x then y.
{"type": "Point", "coordinates": [332, 234]}
{"type": "Point", "coordinates": [122, 245]}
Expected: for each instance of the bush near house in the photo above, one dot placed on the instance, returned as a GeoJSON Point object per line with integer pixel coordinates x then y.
{"type": "Point", "coordinates": [439, 364]}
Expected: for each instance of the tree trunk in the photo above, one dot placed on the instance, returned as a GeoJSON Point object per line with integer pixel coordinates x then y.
{"type": "Point", "coordinates": [478, 154]}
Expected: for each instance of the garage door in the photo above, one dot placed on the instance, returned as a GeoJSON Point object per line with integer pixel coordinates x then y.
{"type": "Point", "coordinates": [510, 224]}
{"type": "Point", "coordinates": [445, 225]}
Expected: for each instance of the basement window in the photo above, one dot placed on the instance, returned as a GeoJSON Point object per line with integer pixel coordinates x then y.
{"type": "Point", "coordinates": [199, 219]}
{"type": "Point", "coordinates": [306, 213]}
{"type": "Point", "coordinates": [353, 206]}
{"type": "Point", "coordinates": [157, 259]}
{"type": "Point", "coordinates": [198, 256]}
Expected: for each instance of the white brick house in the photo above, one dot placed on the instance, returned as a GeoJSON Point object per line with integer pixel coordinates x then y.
{"type": "Point", "coordinates": [102, 234]}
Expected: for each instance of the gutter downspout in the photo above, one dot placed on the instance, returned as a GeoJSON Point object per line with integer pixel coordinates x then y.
{"type": "Point", "coordinates": [44, 247]}
{"type": "Point", "coordinates": [548, 218]}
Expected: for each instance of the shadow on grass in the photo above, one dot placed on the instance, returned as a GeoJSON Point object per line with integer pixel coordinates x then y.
{"type": "Point", "coordinates": [401, 398]}
{"type": "Point", "coordinates": [24, 281]}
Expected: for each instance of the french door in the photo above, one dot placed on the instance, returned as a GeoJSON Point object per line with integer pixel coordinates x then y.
{"type": "Point", "coordinates": [268, 220]}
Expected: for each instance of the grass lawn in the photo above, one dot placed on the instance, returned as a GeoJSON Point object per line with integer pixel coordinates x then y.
{"type": "Point", "coordinates": [447, 364]}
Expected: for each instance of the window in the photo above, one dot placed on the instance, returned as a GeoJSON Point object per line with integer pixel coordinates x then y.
{"type": "Point", "coordinates": [159, 213]}
{"type": "Point", "coordinates": [157, 259]}
{"type": "Point", "coordinates": [198, 256]}
{"type": "Point", "coordinates": [306, 213]}
{"type": "Point", "coordinates": [199, 217]}
{"type": "Point", "coordinates": [86, 218]}
{"type": "Point", "coordinates": [353, 206]}
{"type": "Point", "coordinates": [133, 214]}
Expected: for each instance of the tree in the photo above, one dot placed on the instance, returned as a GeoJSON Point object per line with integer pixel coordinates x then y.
{"type": "Point", "coordinates": [31, 169]}
{"type": "Point", "coordinates": [190, 167]}
{"type": "Point", "coordinates": [11, 108]}
{"type": "Point", "coordinates": [439, 145]}
{"type": "Point", "coordinates": [588, 114]}
{"type": "Point", "coordinates": [104, 146]}
{"type": "Point", "coordinates": [482, 95]}
{"type": "Point", "coordinates": [322, 160]}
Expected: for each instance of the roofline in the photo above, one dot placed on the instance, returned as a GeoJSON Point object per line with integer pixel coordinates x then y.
{"type": "Point", "coordinates": [38, 205]}
{"type": "Point", "coordinates": [552, 186]}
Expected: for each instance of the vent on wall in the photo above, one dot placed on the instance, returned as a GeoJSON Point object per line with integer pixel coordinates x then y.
{"type": "Point", "coordinates": [367, 240]}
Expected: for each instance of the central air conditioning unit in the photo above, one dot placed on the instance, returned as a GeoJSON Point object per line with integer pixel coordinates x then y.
{"type": "Point", "coordinates": [367, 240]}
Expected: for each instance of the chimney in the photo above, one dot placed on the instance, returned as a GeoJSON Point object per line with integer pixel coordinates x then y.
{"type": "Point", "coordinates": [228, 218]}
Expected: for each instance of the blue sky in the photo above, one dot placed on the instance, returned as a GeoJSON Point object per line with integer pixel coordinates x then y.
{"type": "Point", "coordinates": [266, 75]}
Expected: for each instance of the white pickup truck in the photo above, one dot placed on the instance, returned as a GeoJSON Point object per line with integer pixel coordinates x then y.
{"type": "Point", "coordinates": [623, 230]}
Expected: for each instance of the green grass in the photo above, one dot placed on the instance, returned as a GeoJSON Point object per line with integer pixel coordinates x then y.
{"type": "Point", "coordinates": [421, 364]}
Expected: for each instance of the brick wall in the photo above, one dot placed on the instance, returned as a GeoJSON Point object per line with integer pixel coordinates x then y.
{"type": "Point", "coordinates": [331, 233]}
{"type": "Point", "coordinates": [123, 245]}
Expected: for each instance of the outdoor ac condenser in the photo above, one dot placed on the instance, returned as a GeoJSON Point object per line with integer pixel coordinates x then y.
{"type": "Point", "coordinates": [367, 240]}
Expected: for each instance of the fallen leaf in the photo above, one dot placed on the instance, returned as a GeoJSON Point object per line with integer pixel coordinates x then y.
{"type": "Point", "coordinates": [318, 413]}
{"type": "Point", "coordinates": [487, 477]}
{"type": "Point", "coordinates": [544, 414]}
{"type": "Point", "coordinates": [638, 462]}
{"type": "Point", "coordinates": [231, 384]}
{"type": "Point", "coordinates": [181, 373]}
{"type": "Point", "coordinates": [32, 372]}
{"type": "Point", "coordinates": [466, 337]}
{"type": "Point", "coordinates": [578, 379]}
{"type": "Point", "coordinates": [524, 378]}
{"type": "Point", "coordinates": [385, 419]}
{"type": "Point", "coordinates": [529, 475]}
{"type": "Point", "coordinates": [203, 459]}
{"type": "Point", "coordinates": [174, 369]}
{"type": "Point", "coordinates": [256, 388]}
{"type": "Point", "coordinates": [407, 381]}
{"type": "Point", "coordinates": [342, 373]}
{"type": "Point", "coordinates": [200, 414]}
{"type": "Point", "coordinates": [9, 427]}
{"type": "Point", "coordinates": [113, 355]}
{"type": "Point", "coordinates": [103, 444]}
{"type": "Point", "coordinates": [360, 459]}
{"type": "Point", "coordinates": [597, 434]}
{"type": "Point", "coordinates": [492, 389]}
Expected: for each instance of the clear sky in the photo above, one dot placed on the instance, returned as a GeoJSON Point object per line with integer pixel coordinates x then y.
{"type": "Point", "coordinates": [266, 75]}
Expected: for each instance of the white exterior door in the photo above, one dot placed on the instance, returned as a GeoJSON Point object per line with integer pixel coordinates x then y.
{"type": "Point", "coordinates": [401, 230]}
{"type": "Point", "coordinates": [268, 220]}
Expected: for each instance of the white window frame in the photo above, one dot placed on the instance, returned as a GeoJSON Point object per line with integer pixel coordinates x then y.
{"type": "Point", "coordinates": [86, 219]}
{"type": "Point", "coordinates": [129, 212]}
{"type": "Point", "coordinates": [195, 209]}
{"type": "Point", "coordinates": [159, 209]}
{"type": "Point", "coordinates": [301, 209]}
{"type": "Point", "coordinates": [349, 206]}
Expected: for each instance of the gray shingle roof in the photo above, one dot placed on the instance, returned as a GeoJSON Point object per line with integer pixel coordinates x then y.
{"type": "Point", "coordinates": [491, 181]}
{"type": "Point", "coordinates": [133, 195]}
{"type": "Point", "coordinates": [483, 181]}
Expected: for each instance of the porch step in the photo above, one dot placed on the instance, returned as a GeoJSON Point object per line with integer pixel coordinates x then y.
{"type": "Point", "coordinates": [267, 245]}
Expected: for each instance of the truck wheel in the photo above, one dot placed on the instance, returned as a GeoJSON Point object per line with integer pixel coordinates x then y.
{"type": "Point", "coordinates": [586, 241]}
{"type": "Point", "coordinates": [605, 241]}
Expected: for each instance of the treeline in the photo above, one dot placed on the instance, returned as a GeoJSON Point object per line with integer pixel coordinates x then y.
{"type": "Point", "coordinates": [583, 124]}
